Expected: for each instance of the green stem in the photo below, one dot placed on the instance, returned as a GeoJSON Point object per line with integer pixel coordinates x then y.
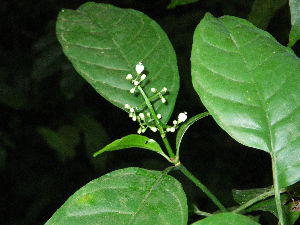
{"type": "Point", "coordinates": [200, 212]}
{"type": "Point", "coordinates": [254, 200]}
{"type": "Point", "coordinates": [158, 124]}
{"type": "Point", "coordinates": [277, 191]}
{"type": "Point", "coordinates": [197, 182]}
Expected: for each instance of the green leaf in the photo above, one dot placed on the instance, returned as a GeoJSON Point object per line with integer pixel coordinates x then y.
{"type": "Point", "coordinates": [133, 141]}
{"type": "Point", "coordinates": [250, 84]}
{"type": "Point", "coordinates": [185, 127]}
{"type": "Point", "coordinates": [62, 141]}
{"type": "Point", "coordinates": [226, 219]}
{"type": "Point", "coordinates": [267, 205]}
{"type": "Point", "coordinates": [104, 43]}
{"type": "Point", "coordinates": [262, 11]}
{"type": "Point", "coordinates": [175, 3]}
{"type": "Point", "coordinates": [126, 196]}
{"type": "Point", "coordinates": [295, 21]}
{"type": "Point", "coordinates": [95, 137]}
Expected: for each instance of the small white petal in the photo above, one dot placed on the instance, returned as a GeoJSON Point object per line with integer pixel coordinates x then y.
{"type": "Point", "coordinates": [172, 129]}
{"type": "Point", "coordinates": [132, 90]}
{"type": "Point", "coordinates": [164, 90]}
{"type": "Point", "coordinates": [163, 100]}
{"type": "Point", "coordinates": [136, 83]}
{"type": "Point", "coordinates": [131, 109]}
{"type": "Point", "coordinates": [159, 116]}
{"type": "Point", "coordinates": [182, 117]}
{"type": "Point", "coordinates": [127, 106]}
{"type": "Point", "coordinates": [154, 129]}
{"type": "Point", "coordinates": [142, 116]}
{"type": "Point", "coordinates": [139, 68]}
{"type": "Point", "coordinates": [175, 122]}
{"type": "Point", "coordinates": [143, 77]}
{"type": "Point", "coordinates": [139, 131]}
{"type": "Point", "coordinates": [129, 76]}
{"type": "Point", "coordinates": [153, 90]}
{"type": "Point", "coordinates": [134, 118]}
{"type": "Point", "coordinates": [168, 129]}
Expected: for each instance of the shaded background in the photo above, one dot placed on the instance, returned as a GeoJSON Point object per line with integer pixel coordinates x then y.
{"type": "Point", "coordinates": [51, 121]}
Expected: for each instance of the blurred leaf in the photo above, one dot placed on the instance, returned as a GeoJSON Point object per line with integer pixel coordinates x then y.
{"type": "Point", "coordinates": [127, 196]}
{"type": "Point", "coordinates": [226, 219]}
{"type": "Point", "coordinates": [250, 84]}
{"type": "Point", "coordinates": [295, 21]}
{"type": "Point", "coordinates": [133, 141]}
{"type": "Point", "coordinates": [95, 137]}
{"type": "Point", "coordinates": [263, 10]}
{"type": "Point", "coordinates": [175, 3]}
{"type": "Point", "coordinates": [267, 205]}
{"type": "Point", "coordinates": [186, 126]}
{"type": "Point", "coordinates": [12, 97]}
{"type": "Point", "coordinates": [63, 141]}
{"type": "Point", "coordinates": [104, 43]}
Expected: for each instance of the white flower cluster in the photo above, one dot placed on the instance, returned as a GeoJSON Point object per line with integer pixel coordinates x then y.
{"type": "Point", "coordinates": [181, 118]}
{"type": "Point", "coordinates": [139, 68]}
{"type": "Point", "coordinates": [146, 120]}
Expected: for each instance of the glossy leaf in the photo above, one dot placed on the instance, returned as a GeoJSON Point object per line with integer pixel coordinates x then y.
{"type": "Point", "coordinates": [262, 11]}
{"type": "Point", "coordinates": [175, 3]}
{"type": "Point", "coordinates": [295, 21]}
{"type": "Point", "coordinates": [250, 84]}
{"type": "Point", "coordinates": [104, 43]}
{"type": "Point", "coordinates": [226, 219]}
{"type": "Point", "coordinates": [185, 127]}
{"type": "Point", "coordinates": [126, 196]}
{"type": "Point", "coordinates": [133, 141]}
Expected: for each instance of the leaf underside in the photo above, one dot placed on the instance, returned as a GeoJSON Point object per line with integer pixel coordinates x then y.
{"type": "Point", "coordinates": [127, 196]}
{"type": "Point", "coordinates": [104, 43]}
{"type": "Point", "coordinates": [250, 84]}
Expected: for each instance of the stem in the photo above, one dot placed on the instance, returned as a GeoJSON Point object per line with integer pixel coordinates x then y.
{"type": "Point", "coordinates": [201, 213]}
{"type": "Point", "coordinates": [158, 123]}
{"type": "Point", "coordinates": [197, 182]}
{"type": "Point", "coordinates": [277, 191]}
{"type": "Point", "coordinates": [254, 200]}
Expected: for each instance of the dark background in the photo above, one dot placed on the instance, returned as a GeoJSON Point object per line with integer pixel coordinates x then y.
{"type": "Point", "coordinates": [45, 106]}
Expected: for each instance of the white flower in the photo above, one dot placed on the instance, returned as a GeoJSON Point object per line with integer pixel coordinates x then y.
{"type": "Point", "coordinates": [143, 77]}
{"type": "Point", "coordinates": [131, 109]}
{"type": "Point", "coordinates": [136, 83]}
{"type": "Point", "coordinates": [153, 90]}
{"type": "Point", "coordinates": [154, 129]}
{"type": "Point", "coordinates": [174, 122]}
{"type": "Point", "coordinates": [148, 114]}
{"type": "Point", "coordinates": [139, 68]}
{"type": "Point", "coordinates": [142, 116]}
{"type": "Point", "coordinates": [163, 100]}
{"type": "Point", "coordinates": [127, 106]}
{"type": "Point", "coordinates": [129, 76]}
{"type": "Point", "coordinates": [172, 129]}
{"type": "Point", "coordinates": [134, 118]}
{"type": "Point", "coordinates": [159, 116]}
{"type": "Point", "coordinates": [182, 117]}
{"type": "Point", "coordinates": [164, 90]}
{"type": "Point", "coordinates": [132, 90]}
{"type": "Point", "coordinates": [139, 130]}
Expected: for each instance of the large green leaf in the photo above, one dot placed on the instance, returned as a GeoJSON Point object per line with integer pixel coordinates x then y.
{"type": "Point", "coordinates": [104, 43]}
{"type": "Point", "coordinates": [133, 141]}
{"type": "Point", "coordinates": [262, 11]}
{"type": "Point", "coordinates": [226, 219]}
{"type": "Point", "coordinates": [295, 21]}
{"type": "Point", "coordinates": [127, 196]}
{"type": "Point", "coordinates": [250, 84]}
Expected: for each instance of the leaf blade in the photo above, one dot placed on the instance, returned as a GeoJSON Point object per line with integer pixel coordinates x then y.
{"type": "Point", "coordinates": [226, 219]}
{"type": "Point", "coordinates": [104, 49]}
{"type": "Point", "coordinates": [133, 141]}
{"type": "Point", "coordinates": [294, 35]}
{"type": "Point", "coordinates": [126, 196]}
{"type": "Point", "coordinates": [261, 110]}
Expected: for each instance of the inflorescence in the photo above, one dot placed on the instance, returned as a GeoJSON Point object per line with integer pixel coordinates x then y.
{"type": "Point", "coordinates": [147, 120]}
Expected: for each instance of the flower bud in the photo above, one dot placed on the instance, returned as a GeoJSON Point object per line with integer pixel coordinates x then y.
{"type": "Point", "coordinates": [139, 68]}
